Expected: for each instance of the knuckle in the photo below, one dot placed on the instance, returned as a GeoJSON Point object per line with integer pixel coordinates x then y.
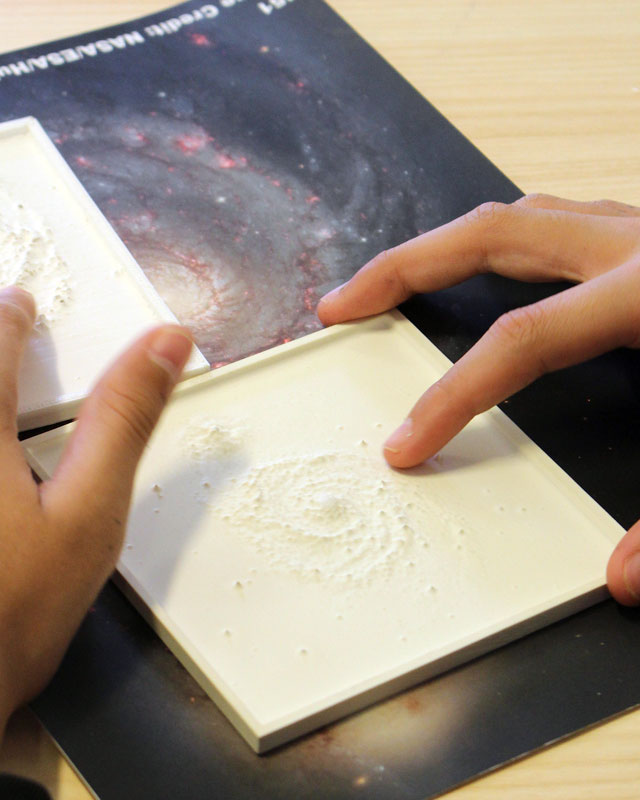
{"type": "Point", "coordinates": [487, 222]}
{"type": "Point", "coordinates": [464, 404]}
{"type": "Point", "coordinates": [386, 260]}
{"type": "Point", "coordinates": [489, 215]}
{"type": "Point", "coordinates": [388, 264]}
{"type": "Point", "coordinates": [135, 408]}
{"type": "Point", "coordinates": [383, 260]}
{"type": "Point", "coordinates": [519, 338]}
{"type": "Point", "coordinates": [615, 207]}
{"type": "Point", "coordinates": [518, 329]}
{"type": "Point", "coordinates": [536, 200]}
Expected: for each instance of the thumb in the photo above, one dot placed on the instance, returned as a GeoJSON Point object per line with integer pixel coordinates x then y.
{"type": "Point", "coordinates": [117, 419]}
{"type": "Point", "coordinates": [623, 570]}
{"type": "Point", "coordinates": [17, 313]}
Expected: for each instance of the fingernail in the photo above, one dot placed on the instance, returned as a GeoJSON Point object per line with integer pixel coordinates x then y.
{"type": "Point", "coordinates": [398, 439]}
{"type": "Point", "coordinates": [170, 349]}
{"type": "Point", "coordinates": [631, 575]}
{"type": "Point", "coordinates": [333, 293]}
{"type": "Point", "coordinates": [21, 299]}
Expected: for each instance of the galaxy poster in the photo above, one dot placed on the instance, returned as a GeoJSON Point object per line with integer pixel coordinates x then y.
{"type": "Point", "coordinates": [247, 156]}
{"type": "Point", "coordinates": [253, 156]}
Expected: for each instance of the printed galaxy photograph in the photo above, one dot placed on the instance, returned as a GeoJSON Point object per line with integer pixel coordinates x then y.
{"type": "Point", "coordinates": [244, 172]}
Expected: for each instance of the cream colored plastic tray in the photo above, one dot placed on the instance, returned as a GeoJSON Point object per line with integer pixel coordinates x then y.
{"type": "Point", "coordinates": [297, 576]}
{"type": "Point", "coordinates": [96, 295]}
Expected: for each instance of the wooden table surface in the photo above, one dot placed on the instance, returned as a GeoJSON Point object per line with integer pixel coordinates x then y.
{"type": "Point", "coordinates": [550, 92]}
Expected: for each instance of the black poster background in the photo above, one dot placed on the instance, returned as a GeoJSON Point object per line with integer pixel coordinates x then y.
{"type": "Point", "coordinates": [251, 161]}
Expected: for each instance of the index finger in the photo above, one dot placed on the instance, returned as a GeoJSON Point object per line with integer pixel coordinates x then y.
{"type": "Point", "coordinates": [518, 241]}
{"type": "Point", "coordinates": [572, 326]}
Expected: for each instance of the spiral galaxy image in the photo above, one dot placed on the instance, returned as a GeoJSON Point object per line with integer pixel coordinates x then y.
{"type": "Point", "coordinates": [243, 186]}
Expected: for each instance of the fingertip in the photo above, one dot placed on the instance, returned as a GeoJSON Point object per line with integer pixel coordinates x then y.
{"type": "Point", "coordinates": [169, 347]}
{"type": "Point", "coordinates": [323, 311]}
{"type": "Point", "coordinates": [631, 579]}
{"type": "Point", "coordinates": [400, 459]}
{"type": "Point", "coordinates": [403, 449]}
{"type": "Point", "coordinates": [17, 316]}
{"type": "Point", "coordinates": [327, 306]}
{"type": "Point", "coordinates": [333, 294]}
{"type": "Point", "coordinates": [432, 422]}
{"type": "Point", "coordinates": [623, 569]}
{"type": "Point", "coordinates": [21, 299]}
{"type": "Point", "coordinates": [623, 579]}
{"type": "Point", "coordinates": [397, 443]}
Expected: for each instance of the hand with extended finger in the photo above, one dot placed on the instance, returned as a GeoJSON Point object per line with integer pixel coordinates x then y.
{"type": "Point", "coordinates": [60, 541]}
{"type": "Point", "coordinates": [596, 246]}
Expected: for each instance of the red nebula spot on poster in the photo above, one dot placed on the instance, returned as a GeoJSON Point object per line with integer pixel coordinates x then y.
{"type": "Point", "coordinates": [201, 40]}
{"type": "Point", "coordinates": [190, 143]}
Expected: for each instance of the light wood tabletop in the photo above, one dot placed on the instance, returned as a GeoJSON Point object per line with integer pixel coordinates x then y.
{"type": "Point", "coordinates": [550, 92]}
